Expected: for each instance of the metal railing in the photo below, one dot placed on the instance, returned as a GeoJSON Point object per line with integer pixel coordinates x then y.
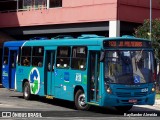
{"type": "Point", "coordinates": [26, 9]}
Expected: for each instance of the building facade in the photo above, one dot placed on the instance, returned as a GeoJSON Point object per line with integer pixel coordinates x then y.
{"type": "Point", "coordinates": [47, 17]}
{"type": "Point", "coordinates": [24, 19]}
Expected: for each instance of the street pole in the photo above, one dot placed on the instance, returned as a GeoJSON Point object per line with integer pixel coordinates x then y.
{"type": "Point", "coordinates": [150, 20]}
{"type": "Point", "coordinates": [17, 5]}
{"type": "Point", "coordinates": [48, 4]}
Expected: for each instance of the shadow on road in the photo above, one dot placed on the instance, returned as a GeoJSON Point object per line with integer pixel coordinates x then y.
{"type": "Point", "coordinates": [94, 110]}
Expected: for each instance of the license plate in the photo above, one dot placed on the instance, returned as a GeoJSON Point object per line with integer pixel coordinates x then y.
{"type": "Point", "coordinates": [132, 101]}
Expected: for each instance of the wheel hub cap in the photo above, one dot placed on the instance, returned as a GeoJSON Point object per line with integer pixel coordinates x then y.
{"type": "Point", "coordinates": [81, 100]}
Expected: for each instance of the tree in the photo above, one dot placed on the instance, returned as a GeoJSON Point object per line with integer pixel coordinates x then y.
{"type": "Point", "coordinates": [144, 32]}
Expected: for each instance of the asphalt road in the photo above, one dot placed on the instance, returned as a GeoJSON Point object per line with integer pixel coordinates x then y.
{"type": "Point", "coordinates": [12, 104]}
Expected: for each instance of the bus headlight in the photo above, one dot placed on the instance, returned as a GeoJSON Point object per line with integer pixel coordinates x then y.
{"type": "Point", "coordinates": [109, 90]}
{"type": "Point", "coordinates": [153, 89]}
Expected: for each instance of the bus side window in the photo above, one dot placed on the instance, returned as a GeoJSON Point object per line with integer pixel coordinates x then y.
{"type": "Point", "coordinates": [37, 56]}
{"type": "Point", "coordinates": [79, 58]}
{"type": "Point", "coordinates": [63, 57]}
{"type": "Point", "coordinates": [6, 53]}
{"type": "Point", "coordinates": [26, 61]}
{"type": "Point", "coordinates": [25, 56]}
{"type": "Point", "coordinates": [5, 61]}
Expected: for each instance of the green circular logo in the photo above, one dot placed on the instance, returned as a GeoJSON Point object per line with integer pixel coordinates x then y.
{"type": "Point", "coordinates": [34, 78]}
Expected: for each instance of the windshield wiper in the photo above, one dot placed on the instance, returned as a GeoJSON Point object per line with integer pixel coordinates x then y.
{"type": "Point", "coordinates": [137, 58]}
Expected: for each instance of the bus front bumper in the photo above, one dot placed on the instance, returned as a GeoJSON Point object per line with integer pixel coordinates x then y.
{"type": "Point", "coordinates": [112, 100]}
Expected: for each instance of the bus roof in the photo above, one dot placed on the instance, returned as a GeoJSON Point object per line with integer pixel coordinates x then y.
{"type": "Point", "coordinates": [93, 40]}
{"type": "Point", "coordinates": [72, 41]}
{"type": "Point", "coordinates": [64, 42]}
{"type": "Point", "coordinates": [13, 43]}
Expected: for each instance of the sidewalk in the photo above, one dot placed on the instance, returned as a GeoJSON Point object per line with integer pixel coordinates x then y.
{"type": "Point", "coordinates": [157, 102]}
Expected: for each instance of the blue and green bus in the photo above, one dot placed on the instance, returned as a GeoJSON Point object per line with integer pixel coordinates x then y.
{"type": "Point", "coordinates": [89, 70]}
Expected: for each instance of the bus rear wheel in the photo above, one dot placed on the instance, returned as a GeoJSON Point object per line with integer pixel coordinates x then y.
{"type": "Point", "coordinates": [26, 91]}
{"type": "Point", "coordinates": [80, 102]}
{"type": "Point", "coordinates": [123, 108]}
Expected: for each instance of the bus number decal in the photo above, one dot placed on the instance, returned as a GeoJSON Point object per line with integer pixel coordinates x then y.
{"type": "Point", "coordinates": [34, 78]}
{"type": "Point", "coordinates": [78, 77]}
{"type": "Point", "coordinates": [144, 90]}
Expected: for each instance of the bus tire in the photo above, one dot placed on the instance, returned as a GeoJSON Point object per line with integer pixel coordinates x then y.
{"type": "Point", "coordinates": [123, 108]}
{"type": "Point", "coordinates": [26, 91]}
{"type": "Point", "coordinates": [80, 100]}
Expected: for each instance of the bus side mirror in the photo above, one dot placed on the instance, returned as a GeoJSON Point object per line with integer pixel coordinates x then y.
{"type": "Point", "coordinates": [102, 56]}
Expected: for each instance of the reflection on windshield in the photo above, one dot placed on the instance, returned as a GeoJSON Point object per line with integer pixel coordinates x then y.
{"type": "Point", "coordinates": [128, 67]}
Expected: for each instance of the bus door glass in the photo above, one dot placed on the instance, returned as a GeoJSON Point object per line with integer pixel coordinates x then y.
{"type": "Point", "coordinates": [12, 66]}
{"type": "Point", "coordinates": [49, 86]}
{"type": "Point", "coordinates": [62, 72]}
{"type": "Point", "coordinates": [94, 76]}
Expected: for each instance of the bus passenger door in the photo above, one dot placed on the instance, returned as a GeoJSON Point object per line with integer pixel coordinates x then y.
{"type": "Point", "coordinates": [94, 76]}
{"type": "Point", "coordinates": [49, 80]}
{"type": "Point", "coordinates": [12, 68]}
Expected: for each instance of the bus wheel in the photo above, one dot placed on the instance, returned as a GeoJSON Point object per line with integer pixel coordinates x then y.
{"type": "Point", "coordinates": [80, 101]}
{"type": "Point", "coordinates": [123, 108]}
{"type": "Point", "coordinates": [26, 91]}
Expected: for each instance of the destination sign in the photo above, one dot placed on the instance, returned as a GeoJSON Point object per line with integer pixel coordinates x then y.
{"type": "Point", "coordinates": [126, 43]}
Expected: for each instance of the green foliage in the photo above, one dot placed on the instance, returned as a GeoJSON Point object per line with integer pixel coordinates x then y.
{"type": "Point", "coordinates": [144, 32]}
{"type": "Point", "coordinates": [157, 96]}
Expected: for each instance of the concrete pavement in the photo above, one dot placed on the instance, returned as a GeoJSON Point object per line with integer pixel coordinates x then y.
{"type": "Point", "coordinates": [157, 102]}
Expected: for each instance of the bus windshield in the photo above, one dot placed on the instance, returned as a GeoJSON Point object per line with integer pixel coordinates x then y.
{"type": "Point", "coordinates": [129, 67]}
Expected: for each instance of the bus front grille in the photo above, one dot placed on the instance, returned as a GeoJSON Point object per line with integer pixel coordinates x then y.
{"type": "Point", "coordinates": [123, 94]}
{"type": "Point", "coordinates": [140, 94]}
{"type": "Point", "coordinates": [130, 94]}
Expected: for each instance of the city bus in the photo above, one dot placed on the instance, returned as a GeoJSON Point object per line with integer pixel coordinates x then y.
{"type": "Point", "coordinates": [89, 70]}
